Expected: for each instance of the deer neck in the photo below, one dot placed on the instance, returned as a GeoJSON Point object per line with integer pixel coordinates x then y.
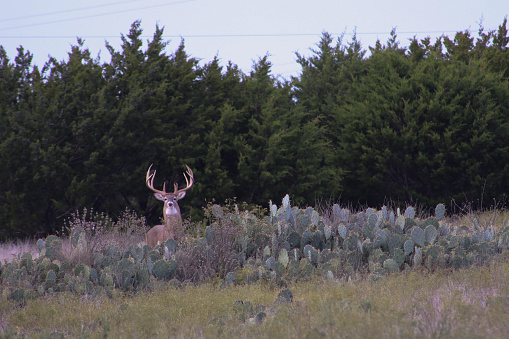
{"type": "Point", "coordinates": [172, 219]}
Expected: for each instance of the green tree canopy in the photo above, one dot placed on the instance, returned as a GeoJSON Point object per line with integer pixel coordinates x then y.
{"type": "Point", "coordinates": [426, 122]}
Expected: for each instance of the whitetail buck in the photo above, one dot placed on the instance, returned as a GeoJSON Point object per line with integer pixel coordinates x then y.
{"type": "Point", "coordinates": [171, 211]}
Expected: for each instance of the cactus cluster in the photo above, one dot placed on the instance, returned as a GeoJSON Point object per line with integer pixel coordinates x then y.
{"type": "Point", "coordinates": [377, 242]}
{"type": "Point", "coordinates": [299, 244]}
{"type": "Point", "coordinates": [113, 269]}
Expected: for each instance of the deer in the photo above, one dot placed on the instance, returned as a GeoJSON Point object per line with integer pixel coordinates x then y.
{"type": "Point", "coordinates": [171, 210]}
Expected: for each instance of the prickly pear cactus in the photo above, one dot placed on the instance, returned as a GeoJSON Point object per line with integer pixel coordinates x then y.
{"type": "Point", "coordinates": [410, 212]}
{"type": "Point", "coordinates": [408, 247]}
{"type": "Point", "coordinates": [11, 274]}
{"type": "Point", "coordinates": [342, 231]}
{"type": "Point", "coordinates": [283, 257]}
{"type": "Point", "coordinates": [317, 240]}
{"type": "Point", "coordinates": [306, 238]}
{"type": "Point", "coordinates": [266, 253]}
{"type": "Point", "coordinates": [286, 201]}
{"type": "Point", "coordinates": [285, 296]}
{"type": "Point", "coordinates": [327, 232]}
{"type": "Point", "coordinates": [315, 218]}
{"type": "Point", "coordinates": [418, 236]}
{"type": "Point", "coordinates": [27, 262]}
{"type": "Point", "coordinates": [164, 269]}
{"type": "Point", "coordinates": [336, 213]}
{"type": "Point", "coordinates": [307, 251]}
{"type": "Point", "coordinates": [399, 256]}
{"type": "Point", "coordinates": [430, 234]}
{"type": "Point", "coordinates": [126, 264]}
{"type": "Point", "coordinates": [433, 255]}
{"type": "Point", "coordinates": [380, 239]}
{"type": "Point", "coordinates": [51, 279]}
{"type": "Point", "coordinates": [171, 245]}
{"type": "Point", "coordinates": [390, 265]}
{"type": "Point", "coordinates": [53, 247]}
{"type": "Point", "coordinates": [303, 223]}
{"type": "Point", "coordinates": [302, 244]}
{"type": "Point", "coordinates": [305, 268]}
{"type": "Point", "coordinates": [106, 278]}
{"type": "Point", "coordinates": [400, 222]}
{"type": "Point", "coordinates": [417, 261]}
{"type": "Point", "coordinates": [368, 231]}
{"type": "Point", "coordinates": [350, 243]}
{"type": "Point", "coordinates": [273, 211]}
{"type": "Point", "coordinates": [82, 271]}
{"type": "Point", "coordinates": [53, 241]}
{"type": "Point", "coordinates": [270, 264]}
{"type": "Point", "coordinates": [41, 244]}
{"type": "Point", "coordinates": [393, 242]}
{"type": "Point", "coordinates": [440, 211]}
{"type": "Point", "coordinates": [294, 239]}
{"type": "Point", "coordinates": [372, 220]}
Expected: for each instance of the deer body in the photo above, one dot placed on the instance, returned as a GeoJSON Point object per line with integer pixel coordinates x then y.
{"type": "Point", "coordinates": [171, 211]}
{"type": "Point", "coordinates": [158, 235]}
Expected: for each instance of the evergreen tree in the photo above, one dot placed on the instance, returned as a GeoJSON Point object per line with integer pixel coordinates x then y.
{"type": "Point", "coordinates": [429, 132]}
{"type": "Point", "coordinates": [19, 211]}
{"type": "Point", "coordinates": [428, 122]}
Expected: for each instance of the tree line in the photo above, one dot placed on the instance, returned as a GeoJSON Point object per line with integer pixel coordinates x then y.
{"type": "Point", "coordinates": [427, 123]}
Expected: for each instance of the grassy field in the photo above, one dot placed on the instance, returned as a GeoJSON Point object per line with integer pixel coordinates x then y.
{"type": "Point", "coordinates": [470, 303]}
{"type": "Point", "coordinates": [417, 302]}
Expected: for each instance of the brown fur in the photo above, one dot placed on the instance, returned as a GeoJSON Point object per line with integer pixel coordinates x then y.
{"type": "Point", "coordinates": [158, 235]}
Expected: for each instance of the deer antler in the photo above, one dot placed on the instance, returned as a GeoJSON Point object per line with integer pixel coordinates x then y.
{"type": "Point", "coordinates": [189, 181]}
{"type": "Point", "coordinates": [149, 180]}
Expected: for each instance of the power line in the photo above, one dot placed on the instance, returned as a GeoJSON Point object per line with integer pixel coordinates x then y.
{"type": "Point", "coordinates": [96, 15]}
{"type": "Point", "coordinates": [218, 35]}
{"type": "Point", "coordinates": [67, 11]}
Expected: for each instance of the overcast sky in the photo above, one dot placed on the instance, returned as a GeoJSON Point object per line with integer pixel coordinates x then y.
{"type": "Point", "coordinates": [236, 30]}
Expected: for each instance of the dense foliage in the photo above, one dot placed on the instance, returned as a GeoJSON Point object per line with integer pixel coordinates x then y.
{"type": "Point", "coordinates": [428, 123]}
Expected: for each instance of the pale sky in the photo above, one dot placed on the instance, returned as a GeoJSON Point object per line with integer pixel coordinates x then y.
{"type": "Point", "coordinates": [236, 30]}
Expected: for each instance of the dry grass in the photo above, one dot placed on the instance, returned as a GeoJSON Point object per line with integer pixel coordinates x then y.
{"type": "Point", "coordinates": [11, 250]}
{"type": "Point", "coordinates": [498, 218]}
{"type": "Point", "coordinates": [99, 231]}
{"type": "Point", "coordinates": [468, 303]}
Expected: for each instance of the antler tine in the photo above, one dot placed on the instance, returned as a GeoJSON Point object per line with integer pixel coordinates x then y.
{"type": "Point", "coordinates": [148, 177]}
{"type": "Point", "coordinates": [189, 181]}
{"type": "Point", "coordinates": [149, 180]}
{"type": "Point", "coordinates": [191, 177]}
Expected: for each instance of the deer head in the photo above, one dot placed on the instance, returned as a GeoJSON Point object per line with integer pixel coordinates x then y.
{"type": "Point", "coordinates": [171, 209]}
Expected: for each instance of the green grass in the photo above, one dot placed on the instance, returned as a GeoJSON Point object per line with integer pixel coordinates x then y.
{"type": "Point", "coordinates": [470, 303]}
{"type": "Point", "coordinates": [416, 303]}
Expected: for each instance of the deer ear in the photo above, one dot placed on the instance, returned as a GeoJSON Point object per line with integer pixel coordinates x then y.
{"type": "Point", "coordinates": [180, 195]}
{"type": "Point", "coordinates": [159, 196]}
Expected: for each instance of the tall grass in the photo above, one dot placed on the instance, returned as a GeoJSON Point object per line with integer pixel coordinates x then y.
{"type": "Point", "coordinates": [12, 249]}
{"type": "Point", "coordinates": [468, 303]}
{"type": "Point", "coordinates": [416, 303]}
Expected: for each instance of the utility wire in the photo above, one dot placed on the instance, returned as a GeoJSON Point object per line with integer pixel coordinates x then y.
{"type": "Point", "coordinates": [95, 15]}
{"type": "Point", "coordinates": [67, 11]}
{"type": "Point", "coordinates": [219, 35]}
